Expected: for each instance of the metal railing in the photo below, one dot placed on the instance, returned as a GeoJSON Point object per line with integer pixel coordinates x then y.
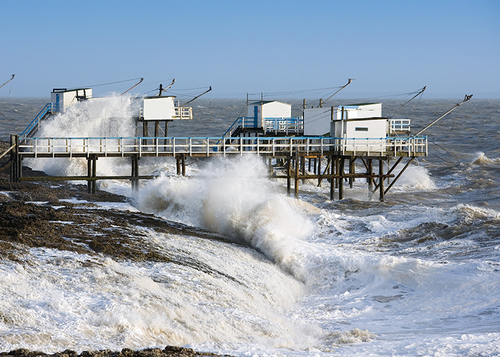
{"type": "Point", "coordinates": [36, 121]}
{"type": "Point", "coordinates": [284, 125]}
{"type": "Point", "coordinates": [207, 146]}
{"type": "Point", "coordinates": [183, 113]}
{"type": "Point", "coordinates": [399, 125]}
{"type": "Point", "coordinates": [240, 122]}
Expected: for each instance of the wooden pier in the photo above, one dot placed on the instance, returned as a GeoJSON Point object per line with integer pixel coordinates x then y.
{"type": "Point", "coordinates": [288, 153]}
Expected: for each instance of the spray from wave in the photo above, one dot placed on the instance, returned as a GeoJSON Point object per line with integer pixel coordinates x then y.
{"type": "Point", "coordinates": [233, 197]}
{"type": "Point", "coordinates": [416, 177]}
{"type": "Point", "coordinates": [98, 117]}
{"type": "Point", "coordinates": [483, 160]}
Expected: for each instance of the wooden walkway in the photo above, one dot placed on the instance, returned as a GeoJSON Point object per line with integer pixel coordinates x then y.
{"type": "Point", "coordinates": [290, 154]}
{"type": "Point", "coordinates": [215, 146]}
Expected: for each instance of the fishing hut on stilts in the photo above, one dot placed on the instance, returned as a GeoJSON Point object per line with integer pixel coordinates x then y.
{"type": "Point", "coordinates": [337, 144]}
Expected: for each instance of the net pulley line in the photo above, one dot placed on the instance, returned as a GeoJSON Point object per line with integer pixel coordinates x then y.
{"type": "Point", "coordinates": [415, 94]}
{"type": "Point", "coordinates": [117, 82]}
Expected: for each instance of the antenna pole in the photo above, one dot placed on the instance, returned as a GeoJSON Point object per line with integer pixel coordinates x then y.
{"type": "Point", "coordinates": [467, 97]}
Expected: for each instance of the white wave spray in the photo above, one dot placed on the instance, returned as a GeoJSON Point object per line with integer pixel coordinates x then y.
{"type": "Point", "coordinates": [233, 197]}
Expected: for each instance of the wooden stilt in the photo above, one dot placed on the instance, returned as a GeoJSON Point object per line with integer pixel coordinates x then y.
{"type": "Point", "coordinates": [332, 180]}
{"type": "Point", "coordinates": [15, 169]}
{"type": "Point", "coordinates": [178, 163]}
{"type": "Point", "coordinates": [183, 164]}
{"type": "Point", "coordinates": [341, 178]}
{"type": "Point", "coordinates": [399, 175]}
{"type": "Point", "coordinates": [381, 179]}
{"type": "Point", "coordinates": [297, 161]}
{"type": "Point", "coordinates": [319, 171]}
{"type": "Point", "coordinates": [369, 172]}
{"type": "Point", "coordinates": [92, 173]}
{"type": "Point", "coordinates": [135, 172]}
{"type": "Point", "coordinates": [352, 169]}
{"type": "Point", "coordinates": [337, 165]}
{"type": "Point", "coordinates": [303, 168]}
{"type": "Point", "coordinates": [288, 173]}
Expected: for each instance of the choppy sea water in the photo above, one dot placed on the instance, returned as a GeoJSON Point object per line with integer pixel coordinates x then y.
{"type": "Point", "coordinates": [416, 275]}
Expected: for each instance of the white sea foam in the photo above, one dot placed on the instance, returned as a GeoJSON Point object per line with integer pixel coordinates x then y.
{"type": "Point", "coordinates": [110, 116]}
{"type": "Point", "coordinates": [416, 178]}
{"type": "Point", "coordinates": [233, 197]}
{"type": "Point", "coordinates": [363, 293]}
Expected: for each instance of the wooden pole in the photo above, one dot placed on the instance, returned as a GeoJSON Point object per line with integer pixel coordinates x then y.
{"type": "Point", "coordinates": [319, 170]}
{"type": "Point", "coordinates": [369, 171]}
{"type": "Point", "coordinates": [332, 180]}
{"type": "Point", "coordinates": [399, 175]}
{"type": "Point", "coordinates": [14, 156]}
{"type": "Point", "coordinates": [178, 163]}
{"type": "Point", "coordinates": [341, 178]}
{"type": "Point", "coordinates": [352, 160]}
{"type": "Point", "coordinates": [92, 173]}
{"type": "Point", "coordinates": [135, 172]}
{"type": "Point", "coordinates": [297, 161]}
{"type": "Point", "coordinates": [381, 179]}
{"type": "Point", "coordinates": [303, 167]}
{"type": "Point", "coordinates": [288, 173]}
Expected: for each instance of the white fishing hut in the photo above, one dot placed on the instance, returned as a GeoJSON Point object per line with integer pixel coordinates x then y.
{"type": "Point", "coordinates": [160, 109]}
{"type": "Point", "coordinates": [317, 121]}
{"type": "Point", "coordinates": [268, 109]}
{"type": "Point", "coordinates": [359, 121]}
{"type": "Point", "coordinates": [164, 108]}
{"type": "Point", "coordinates": [62, 98]}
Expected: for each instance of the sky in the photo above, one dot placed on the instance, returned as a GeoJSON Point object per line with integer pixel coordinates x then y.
{"type": "Point", "coordinates": [237, 47]}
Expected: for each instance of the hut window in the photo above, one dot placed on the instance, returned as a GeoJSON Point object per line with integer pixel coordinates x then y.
{"type": "Point", "coordinates": [361, 129]}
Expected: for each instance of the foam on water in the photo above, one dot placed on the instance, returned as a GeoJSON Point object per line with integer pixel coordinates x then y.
{"type": "Point", "coordinates": [233, 197]}
{"type": "Point", "coordinates": [53, 300]}
{"type": "Point", "coordinates": [415, 178]}
{"type": "Point", "coordinates": [357, 277]}
{"type": "Point", "coordinates": [483, 160]}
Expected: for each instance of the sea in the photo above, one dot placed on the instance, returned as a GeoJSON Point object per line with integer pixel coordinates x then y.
{"type": "Point", "coordinates": [416, 275]}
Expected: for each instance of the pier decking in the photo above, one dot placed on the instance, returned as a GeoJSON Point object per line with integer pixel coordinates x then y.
{"type": "Point", "coordinates": [290, 153]}
{"type": "Point", "coordinates": [213, 146]}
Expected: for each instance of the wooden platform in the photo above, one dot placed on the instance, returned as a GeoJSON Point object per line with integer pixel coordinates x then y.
{"type": "Point", "coordinates": [291, 152]}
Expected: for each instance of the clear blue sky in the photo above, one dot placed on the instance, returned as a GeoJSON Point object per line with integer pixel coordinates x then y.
{"type": "Point", "coordinates": [235, 46]}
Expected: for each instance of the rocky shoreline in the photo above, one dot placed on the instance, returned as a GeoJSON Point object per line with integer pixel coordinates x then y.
{"type": "Point", "coordinates": [37, 215]}
{"type": "Point", "coordinates": [169, 351]}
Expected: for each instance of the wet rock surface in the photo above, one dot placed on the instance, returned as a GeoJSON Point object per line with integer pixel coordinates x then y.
{"type": "Point", "coordinates": [151, 352]}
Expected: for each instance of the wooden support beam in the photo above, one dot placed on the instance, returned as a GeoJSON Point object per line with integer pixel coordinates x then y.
{"type": "Point", "coordinates": [178, 163]}
{"type": "Point", "coordinates": [332, 180]}
{"type": "Point", "coordinates": [297, 162]}
{"type": "Point", "coordinates": [381, 183]}
{"type": "Point", "coordinates": [91, 173]}
{"type": "Point", "coordinates": [341, 178]}
{"type": "Point", "coordinates": [288, 173]}
{"type": "Point", "coordinates": [369, 172]}
{"type": "Point", "coordinates": [352, 169]}
{"type": "Point", "coordinates": [15, 169]}
{"type": "Point", "coordinates": [399, 175]}
{"type": "Point", "coordinates": [389, 172]}
{"type": "Point", "coordinates": [135, 172]}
